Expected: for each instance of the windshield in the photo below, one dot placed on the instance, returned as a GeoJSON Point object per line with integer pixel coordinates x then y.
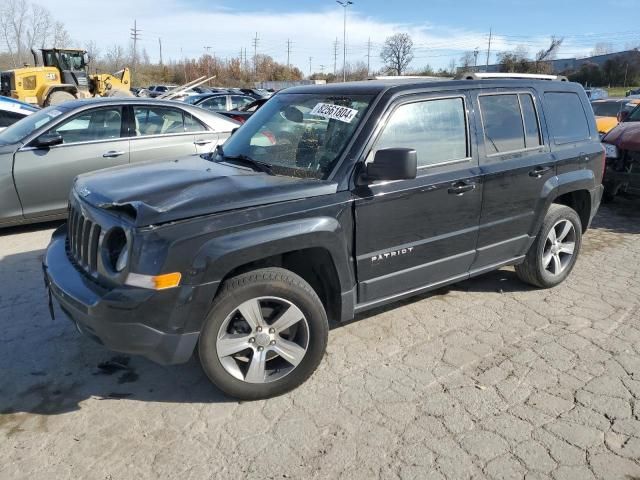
{"type": "Point", "coordinates": [300, 135]}
{"type": "Point", "coordinates": [24, 127]}
{"type": "Point", "coordinates": [606, 109]}
{"type": "Point", "coordinates": [634, 116]}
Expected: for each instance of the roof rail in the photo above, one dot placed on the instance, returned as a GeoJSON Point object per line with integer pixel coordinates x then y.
{"type": "Point", "coordinates": [498, 76]}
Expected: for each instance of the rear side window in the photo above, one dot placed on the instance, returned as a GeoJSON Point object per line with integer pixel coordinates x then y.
{"type": "Point", "coordinates": [436, 129]}
{"type": "Point", "coordinates": [9, 118]}
{"type": "Point", "coordinates": [567, 118]}
{"type": "Point", "coordinates": [510, 122]}
{"type": "Point", "coordinates": [158, 121]}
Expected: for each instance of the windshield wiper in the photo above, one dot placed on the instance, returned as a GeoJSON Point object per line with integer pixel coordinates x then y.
{"type": "Point", "coordinates": [246, 160]}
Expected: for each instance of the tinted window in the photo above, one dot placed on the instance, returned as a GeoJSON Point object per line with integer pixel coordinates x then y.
{"type": "Point", "coordinates": [531, 128]}
{"type": "Point", "coordinates": [9, 118]}
{"type": "Point", "coordinates": [606, 109]}
{"type": "Point", "coordinates": [158, 121]}
{"type": "Point", "coordinates": [502, 122]}
{"type": "Point", "coordinates": [436, 129]}
{"type": "Point", "coordinates": [215, 104]}
{"type": "Point", "coordinates": [567, 118]}
{"type": "Point", "coordinates": [98, 124]}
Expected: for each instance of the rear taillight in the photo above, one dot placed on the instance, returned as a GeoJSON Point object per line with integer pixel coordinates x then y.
{"type": "Point", "coordinates": [239, 118]}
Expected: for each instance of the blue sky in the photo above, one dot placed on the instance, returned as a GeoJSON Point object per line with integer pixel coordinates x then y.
{"type": "Point", "coordinates": [442, 29]}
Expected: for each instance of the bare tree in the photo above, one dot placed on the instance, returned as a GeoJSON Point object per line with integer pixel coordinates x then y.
{"type": "Point", "coordinates": [544, 56]}
{"type": "Point", "coordinates": [602, 48]}
{"type": "Point", "coordinates": [468, 59]}
{"type": "Point", "coordinates": [115, 58]}
{"type": "Point", "coordinates": [397, 52]}
{"type": "Point", "coordinates": [25, 25]}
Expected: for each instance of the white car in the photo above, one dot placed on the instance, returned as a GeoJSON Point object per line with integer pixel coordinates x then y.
{"type": "Point", "coordinates": [12, 110]}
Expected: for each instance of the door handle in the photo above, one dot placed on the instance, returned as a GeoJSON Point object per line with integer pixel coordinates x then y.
{"type": "Point", "coordinates": [202, 142]}
{"type": "Point", "coordinates": [112, 154]}
{"type": "Point", "coordinates": [460, 188]}
{"type": "Point", "coordinates": [539, 171]}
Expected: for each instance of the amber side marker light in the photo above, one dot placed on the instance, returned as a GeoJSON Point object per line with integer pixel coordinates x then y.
{"type": "Point", "coordinates": [154, 282]}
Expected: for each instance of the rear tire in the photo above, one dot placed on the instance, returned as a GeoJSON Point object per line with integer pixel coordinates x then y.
{"type": "Point", "coordinates": [265, 334]}
{"type": "Point", "coordinates": [555, 250]}
{"type": "Point", "coordinates": [56, 98]}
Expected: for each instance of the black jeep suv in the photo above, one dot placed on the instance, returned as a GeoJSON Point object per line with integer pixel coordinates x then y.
{"type": "Point", "coordinates": [329, 201]}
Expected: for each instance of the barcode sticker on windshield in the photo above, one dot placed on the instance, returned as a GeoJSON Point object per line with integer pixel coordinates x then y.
{"type": "Point", "coordinates": [335, 112]}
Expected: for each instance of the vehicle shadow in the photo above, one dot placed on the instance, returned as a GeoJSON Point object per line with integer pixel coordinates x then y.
{"type": "Point", "coordinates": [48, 368]}
{"type": "Point", "coordinates": [32, 227]}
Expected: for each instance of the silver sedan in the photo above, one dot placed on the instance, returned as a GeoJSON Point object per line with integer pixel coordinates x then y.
{"type": "Point", "coordinates": [42, 154]}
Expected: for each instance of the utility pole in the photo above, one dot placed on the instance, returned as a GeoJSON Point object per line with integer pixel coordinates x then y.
{"type": "Point", "coordinates": [345, 4]}
{"type": "Point", "coordinates": [368, 56]}
{"type": "Point", "coordinates": [310, 60]}
{"type": "Point", "coordinates": [208, 62]}
{"type": "Point", "coordinates": [288, 54]}
{"type": "Point", "coordinates": [335, 57]}
{"type": "Point", "coordinates": [135, 36]}
{"type": "Point", "coordinates": [255, 55]}
{"type": "Point", "coordinates": [475, 58]}
{"type": "Point", "coordinates": [489, 48]}
{"type": "Point", "coordinates": [160, 45]}
{"type": "Point", "coordinates": [322, 67]}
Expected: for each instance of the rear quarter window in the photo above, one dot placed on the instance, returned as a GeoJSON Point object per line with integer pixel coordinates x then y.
{"type": "Point", "coordinates": [567, 118]}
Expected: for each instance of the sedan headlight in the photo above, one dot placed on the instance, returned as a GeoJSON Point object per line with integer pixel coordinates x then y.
{"type": "Point", "coordinates": [611, 151]}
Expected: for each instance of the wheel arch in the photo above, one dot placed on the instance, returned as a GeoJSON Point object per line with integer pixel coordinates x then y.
{"type": "Point", "coordinates": [316, 249]}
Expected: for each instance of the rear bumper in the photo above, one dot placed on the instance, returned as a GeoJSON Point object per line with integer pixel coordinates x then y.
{"type": "Point", "coordinates": [127, 319]}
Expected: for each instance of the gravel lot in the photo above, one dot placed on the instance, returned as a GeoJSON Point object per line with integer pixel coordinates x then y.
{"type": "Point", "coordinates": [487, 379]}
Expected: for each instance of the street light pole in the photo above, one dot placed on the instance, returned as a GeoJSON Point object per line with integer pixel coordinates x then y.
{"type": "Point", "coordinates": [344, 4]}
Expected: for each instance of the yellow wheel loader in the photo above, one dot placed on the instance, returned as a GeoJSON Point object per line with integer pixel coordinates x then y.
{"type": "Point", "coordinates": [62, 76]}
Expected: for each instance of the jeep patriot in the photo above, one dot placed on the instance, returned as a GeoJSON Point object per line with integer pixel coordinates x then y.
{"type": "Point", "coordinates": [329, 201]}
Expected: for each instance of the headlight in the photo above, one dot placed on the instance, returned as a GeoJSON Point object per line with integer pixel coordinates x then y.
{"type": "Point", "coordinates": [116, 249]}
{"type": "Point", "coordinates": [611, 151]}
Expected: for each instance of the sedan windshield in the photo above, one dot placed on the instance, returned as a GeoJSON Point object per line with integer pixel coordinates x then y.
{"type": "Point", "coordinates": [27, 125]}
{"type": "Point", "coordinates": [301, 135]}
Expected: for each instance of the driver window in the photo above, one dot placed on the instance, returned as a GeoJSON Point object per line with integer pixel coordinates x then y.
{"type": "Point", "coordinates": [436, 129]}
{"type": "Point", "coordinates": [98, 124]}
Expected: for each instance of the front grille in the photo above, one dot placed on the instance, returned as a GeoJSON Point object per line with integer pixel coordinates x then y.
{"type": "Point", "coordinates": [83, 240]}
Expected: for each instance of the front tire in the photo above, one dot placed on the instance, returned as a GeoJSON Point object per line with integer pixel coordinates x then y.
{"type": "Point", "coordinates": [265, 334]}
{"type": "Point", "coordinates": [555, 250]}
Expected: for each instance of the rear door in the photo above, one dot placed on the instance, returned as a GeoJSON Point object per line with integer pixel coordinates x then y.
{"type": "Point", "coordinates": [516, 162]}
{"type": "Point", "coordinates": [413, 234]}
{"type": "Point", "coordinates": [93, 139]}
{"type": "Point", "coordinates": [162, 133]}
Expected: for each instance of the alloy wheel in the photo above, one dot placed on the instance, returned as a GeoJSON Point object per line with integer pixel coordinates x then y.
{"type": "Point", "coordinates": [263, 340]}
{"type": "Point", "coordinates": [559, 247]}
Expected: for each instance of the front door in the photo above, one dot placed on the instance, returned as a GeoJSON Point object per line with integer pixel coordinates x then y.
{"type": "Point", "coordinates": [416, 234]}
{"type": "Point", "coordinates": [92, 140]}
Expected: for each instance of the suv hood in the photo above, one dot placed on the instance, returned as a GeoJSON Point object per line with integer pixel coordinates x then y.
{"type": "Point", "coordinates": [625, 136]}
{"type": "Point", "coordinates": [154, 193]}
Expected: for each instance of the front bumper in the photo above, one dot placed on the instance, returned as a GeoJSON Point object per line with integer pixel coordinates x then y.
{"type": "Point", "coordinates": [160, 325]}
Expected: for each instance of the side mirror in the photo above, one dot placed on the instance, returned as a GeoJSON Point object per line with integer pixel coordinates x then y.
{"type": "Point", "coordinates": [47, 140]}
{"type": "Point", "coordinates": [622, 116]}
{"type": "Point", "coordinates": [393, 164]}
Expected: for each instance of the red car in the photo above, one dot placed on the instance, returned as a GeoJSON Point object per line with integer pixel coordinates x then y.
{"type": "Point", "coordinates": [622, 147]}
